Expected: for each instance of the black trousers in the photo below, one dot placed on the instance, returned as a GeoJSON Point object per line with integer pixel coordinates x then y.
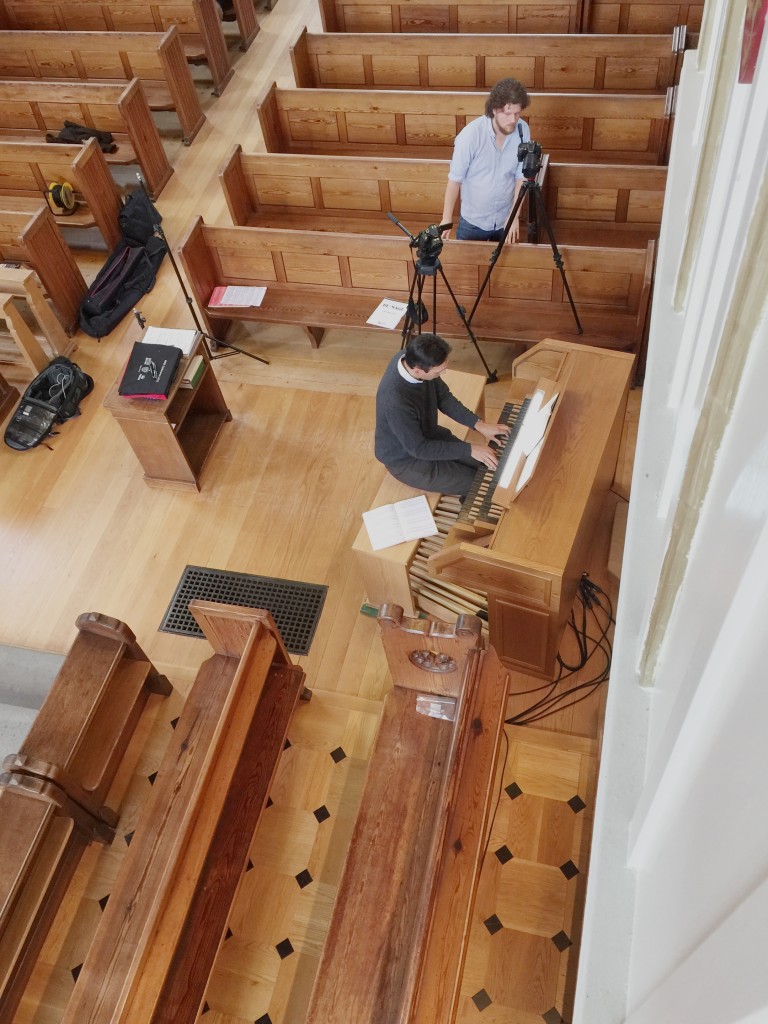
{"type": "Point", "coordinates": [450, 476]}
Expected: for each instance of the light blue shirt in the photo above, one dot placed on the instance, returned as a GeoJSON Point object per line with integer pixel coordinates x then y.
{"type": "Point", "coordinates": [486, 173]}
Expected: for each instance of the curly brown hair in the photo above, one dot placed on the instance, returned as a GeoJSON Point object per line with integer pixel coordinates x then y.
{"type": "Point", "coordinates": [508, 90]}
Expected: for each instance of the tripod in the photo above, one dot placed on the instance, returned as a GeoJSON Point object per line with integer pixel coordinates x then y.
{"type": "Point", "coordinates": [211, 343]}
{"type": "Point", "coordinates": [530, 187]}
{"type": "Point", "coordinates": [428, 245]}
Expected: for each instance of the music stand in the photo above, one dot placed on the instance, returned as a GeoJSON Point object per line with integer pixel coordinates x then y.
{"type": "Point", "coordinates": [211, 352]}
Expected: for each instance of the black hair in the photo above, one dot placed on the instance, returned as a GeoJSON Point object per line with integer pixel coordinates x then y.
{"type": "Point", "coordinates": [508, 90]}
{"type": "Point", "coordinates": [425, 351]}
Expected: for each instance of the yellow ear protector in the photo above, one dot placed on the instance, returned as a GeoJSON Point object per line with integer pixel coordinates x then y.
{"type": "Point", "coordinates": [61, 198]}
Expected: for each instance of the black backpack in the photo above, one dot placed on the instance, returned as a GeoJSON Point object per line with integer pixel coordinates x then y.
{"type": "Point", "coordinates": [53, 397]}
{"type": "Point", "coordinates": [130, 270]}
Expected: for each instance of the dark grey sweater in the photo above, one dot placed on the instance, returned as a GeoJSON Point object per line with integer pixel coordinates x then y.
{"type": "Point", "coordinates": [406, 420]}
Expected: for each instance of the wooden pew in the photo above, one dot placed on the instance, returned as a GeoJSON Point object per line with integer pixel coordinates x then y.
{"type": "Point", "coordinates": [9, 396]}
{"type": "Point", "coordinates": [400, 928]}
{"type": "Point", "coordinates": [557, 63]}
{"type": "Point", "coordinates": [36, 336]}
{"type": "Point", "coordinates": [35, 239]}
{"type": "Point", "coordinates": [596, 204]}
{"type": "Point", "coordinates": [43, 837]}
{"type": "Point", "coordinates": [473, 16]}
{"type": "Point", "coordinates": [653, 16]}
{"type": "Point", "coordinates": [601, 204]}
{"type": "Point", "coordinates": [81, 732]}
{"type": "Point", "coordinates": [28, 110]}
{"type": "Point", "coordinates": [156, 941]}
{"type": "Point", "coordinates": [28, 168]}
{"type": "Point", "coordinates": [53, 792]}
{"type": "Point", "coordinates": [574, 127]}
{"type": "Point", "coordinates": [155, 58]}
{"type": "Point", "coordinates": [318, 279]}
{"type": "Point", "coordinates": [198, 24]}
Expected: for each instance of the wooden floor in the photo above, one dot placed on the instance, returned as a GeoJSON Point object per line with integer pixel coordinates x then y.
{"type": "Point", "coordinates": [282, 496]}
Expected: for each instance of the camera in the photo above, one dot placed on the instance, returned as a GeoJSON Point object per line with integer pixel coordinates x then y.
{"type": "Point", "coordinates": [529, 155]}
{"type": "Point", "coordinates": [428, 244]}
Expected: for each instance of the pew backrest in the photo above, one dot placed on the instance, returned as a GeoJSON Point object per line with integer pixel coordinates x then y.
{"type": "Point", "coordinates": [556, 63]}
{"type": "Point", "coordinates": [27, 169]}
{"type": "Point", "coordinates": [598, 204]}
{"type": "Point", "coordinates": [330, 279]}
{"type": "Point", "coordinates": [198, 23]}
{"type": "Point", "coordinates": [155, 58]}
{"type": "Point", "coordinates": [653, 16]}
{"type": "Point", "coordinates": [35, 239]}
{"type": "Point", "coordinates": [473, 16]}
{"type": "Point", "coordinates": [604, 128]}
{"type": "Point", "coordinates": [30, 109]}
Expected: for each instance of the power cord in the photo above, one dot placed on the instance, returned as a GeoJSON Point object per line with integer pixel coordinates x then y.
{"type": "Point", "coordinates": [597, 605]}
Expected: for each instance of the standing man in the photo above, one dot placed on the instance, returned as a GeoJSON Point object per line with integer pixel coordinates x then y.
{"type": "Point", "coordinates": [409, 441]}
{"type": "Point", "coordinates": [485, 169]}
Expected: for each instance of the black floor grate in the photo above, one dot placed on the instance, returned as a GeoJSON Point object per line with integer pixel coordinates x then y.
{"type": "Point", "coordinates": [295, 607]}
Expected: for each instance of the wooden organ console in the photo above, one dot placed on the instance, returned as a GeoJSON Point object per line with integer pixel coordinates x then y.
{"type": "Point", "coordinates": [397, 939]}
{"type": "Point", "coordinates": [520, 566]}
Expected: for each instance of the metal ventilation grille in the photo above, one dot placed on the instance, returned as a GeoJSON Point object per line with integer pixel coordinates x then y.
{"type": "Point", "coordinates": [295, 607]}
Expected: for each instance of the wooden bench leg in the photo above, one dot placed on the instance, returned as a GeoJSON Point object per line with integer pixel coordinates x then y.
{"type": "Point", "coordinates": [315, 335]}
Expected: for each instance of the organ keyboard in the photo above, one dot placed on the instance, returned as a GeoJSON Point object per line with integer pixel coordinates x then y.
{"type": "Point", "coordinates": [478, 504]}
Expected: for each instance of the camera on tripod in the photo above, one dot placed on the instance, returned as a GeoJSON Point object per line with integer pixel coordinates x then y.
{"type": "Point", "coordinates": [428, 244]}
{"type": "Point", "coordinates": [529, 155]}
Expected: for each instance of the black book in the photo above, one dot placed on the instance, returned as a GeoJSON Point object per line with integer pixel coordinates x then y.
{"type": "Point", "coordinates": [150, 371]}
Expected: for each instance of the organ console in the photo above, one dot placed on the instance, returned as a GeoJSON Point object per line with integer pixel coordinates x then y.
{"type": "Point", "coordinates": [519, 566]}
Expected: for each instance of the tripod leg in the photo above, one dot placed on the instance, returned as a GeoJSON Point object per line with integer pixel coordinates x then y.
{"type": "Point", "coordinates": [490, 375]}
{"type": "Point", "coordinates": [411, 310]}
{"type": "Point", "coordinates": [526, 187]}
{"type": "Point", "coordinates": [556, 256]}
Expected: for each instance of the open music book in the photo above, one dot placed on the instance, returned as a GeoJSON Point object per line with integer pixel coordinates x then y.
{"type": "Point", "coordinates": [410, 519]}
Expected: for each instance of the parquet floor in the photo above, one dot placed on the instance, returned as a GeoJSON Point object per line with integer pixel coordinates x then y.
{"type": "Point", "coordinates": [281, 496]}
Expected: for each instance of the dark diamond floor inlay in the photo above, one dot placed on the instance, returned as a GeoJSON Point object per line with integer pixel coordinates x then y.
{"type": "Point", "coordinates": [284, 948]}
{"type": "Point", "coordinates": [128, 837]}
{"type": "Point", "coordinates": [482, 1000]}
{"type": "Point", "coordinates": [493, 924]}
{"type": "Point", "coordinates": [562, 941]}
{"type": "Point", "coordinates": [513, 791]}
{"type": "Point", "coordinates": [569, 869]}
{"type": "Point", "coordinates": [103, 901]}
{"type": "Point", "coordinates": [503, 854]}
{"type": "Point", "coordinates": [322, 813]}
{"type": "Point", "coordinates": [266, 1019]}
{"type": "Point", "coordinates": [75, 972]}
{"type": "Point", "coordinates": [338, 754]}
{"type": "Point", "coordinates": [295, 606]}
{"type": "Point", "coordinates": [552, 1017]}
{"type": "Point", "coordinates": [576, 804]}
{"type": "Point", "coordinates": [151, 778]}
{"type": "Point", "coordinates": [303, 878]}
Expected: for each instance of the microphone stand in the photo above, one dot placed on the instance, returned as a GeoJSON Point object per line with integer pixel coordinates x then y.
{"type": "Point", "coordinates": [211, 343]}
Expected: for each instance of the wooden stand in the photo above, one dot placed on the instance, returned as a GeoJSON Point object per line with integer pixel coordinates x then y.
{"type": "Point", "coordinates": [172, 439]}
{"type": "Point", "coordinates": [37, 344]}
{"type": "Point", "coordinates": [9, 396]}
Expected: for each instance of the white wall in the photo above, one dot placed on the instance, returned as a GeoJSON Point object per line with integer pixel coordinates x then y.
{"type": "Point", "coordinates": [676, 927]}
